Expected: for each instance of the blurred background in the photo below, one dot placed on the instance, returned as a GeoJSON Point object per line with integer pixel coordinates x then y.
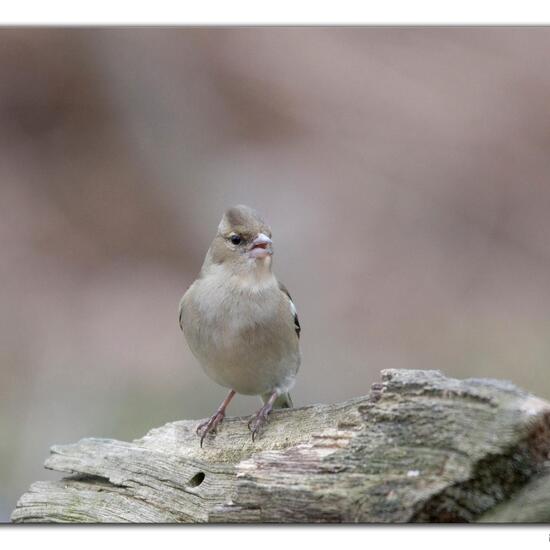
{"type": "Point", "coordinates": [404, 172]}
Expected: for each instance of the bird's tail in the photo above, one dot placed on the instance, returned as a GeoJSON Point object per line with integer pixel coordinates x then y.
{"type": "Point", "coordinates": [283, 401]}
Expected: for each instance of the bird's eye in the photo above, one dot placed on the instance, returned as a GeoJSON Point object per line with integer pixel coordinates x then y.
{"type": "Point", "coordinates": [235, 239]}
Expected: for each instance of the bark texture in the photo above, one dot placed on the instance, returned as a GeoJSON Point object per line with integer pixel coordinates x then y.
{"type": "Point", "coordinates": [420, 447]}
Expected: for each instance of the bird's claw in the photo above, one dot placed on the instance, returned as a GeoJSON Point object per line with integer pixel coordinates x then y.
{"type": "Point", "coordinates": [258, 420]}
{"type": "Point", "coordinates": [211, 425]}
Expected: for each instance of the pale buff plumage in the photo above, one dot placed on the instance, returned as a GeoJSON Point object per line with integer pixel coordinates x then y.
{"type": "Point", "coordinates": [239, 321]}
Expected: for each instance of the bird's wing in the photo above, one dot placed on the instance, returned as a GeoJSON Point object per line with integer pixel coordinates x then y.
{"type": "Point", "coordinates": [297, 327]}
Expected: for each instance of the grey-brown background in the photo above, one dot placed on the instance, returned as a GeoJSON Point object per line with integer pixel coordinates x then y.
{"type": "Point", "coordinates": [404, 173]}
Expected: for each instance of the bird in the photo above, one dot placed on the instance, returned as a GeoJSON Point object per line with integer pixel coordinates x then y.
{"type": "Point", "coordinates": [240, 322]}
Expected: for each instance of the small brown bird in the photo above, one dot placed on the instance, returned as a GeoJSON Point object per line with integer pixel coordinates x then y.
{"type": "Point", "coordinates": [239, 321]}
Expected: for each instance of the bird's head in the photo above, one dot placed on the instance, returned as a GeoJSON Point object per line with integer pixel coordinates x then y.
{"type": "Point", "coordinates": [243, 241]}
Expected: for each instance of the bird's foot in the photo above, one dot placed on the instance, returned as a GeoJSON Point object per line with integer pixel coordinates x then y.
{"type": "Point", "coordinates": [259, 419]}
{"type": "Point", "coordinates": [211, 425]}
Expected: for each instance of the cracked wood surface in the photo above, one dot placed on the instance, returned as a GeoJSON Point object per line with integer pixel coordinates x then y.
{"type": "Point", "coordinates": [419, 447]}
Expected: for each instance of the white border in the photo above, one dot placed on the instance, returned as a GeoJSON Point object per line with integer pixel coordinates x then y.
{"type": "Point", "coordinates": [280, 12]}
{"type": "Point", "coordinates": [274, 538]}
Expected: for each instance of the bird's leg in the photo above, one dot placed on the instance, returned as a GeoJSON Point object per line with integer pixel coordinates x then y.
{"type": "Point", "coordinates": [257, 421]}
{"type": "Point", "coordinates": [211, 425]}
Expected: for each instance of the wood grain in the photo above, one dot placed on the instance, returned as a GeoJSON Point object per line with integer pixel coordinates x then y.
{"type": "Point", "coordinates": [420, 447]}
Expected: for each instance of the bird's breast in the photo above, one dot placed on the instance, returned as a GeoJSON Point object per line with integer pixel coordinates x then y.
{"type": "Point", "coordinates": [240, 338]}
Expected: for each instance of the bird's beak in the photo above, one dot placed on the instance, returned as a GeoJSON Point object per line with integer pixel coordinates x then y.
{"type": "Point", "coordinates": [261, 247]}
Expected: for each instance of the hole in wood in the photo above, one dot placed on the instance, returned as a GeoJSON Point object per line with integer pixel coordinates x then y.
{"type": "Point", "coordinates": [196, 480]}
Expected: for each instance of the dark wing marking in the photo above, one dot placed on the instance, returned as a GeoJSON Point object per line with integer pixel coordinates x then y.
{"type": "Point", "coordinates": [297, 326]}
{"type": "Point", "coordinates": [181, 316]}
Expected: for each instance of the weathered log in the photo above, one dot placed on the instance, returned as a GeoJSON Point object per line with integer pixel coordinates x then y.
{"type": "Point", "coordinates": [419, 447]}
